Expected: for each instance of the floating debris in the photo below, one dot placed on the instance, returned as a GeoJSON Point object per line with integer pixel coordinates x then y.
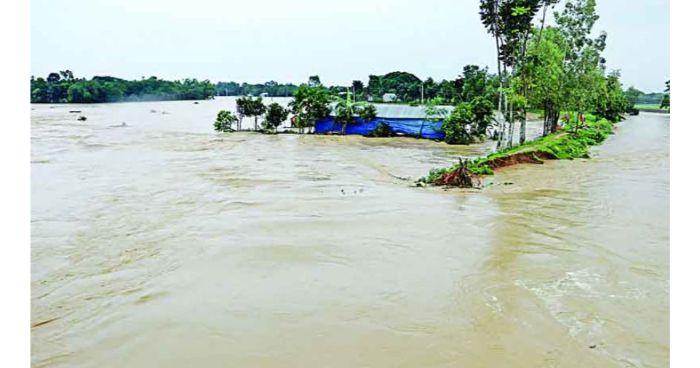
{"type": "Point", "coordinates": [44, 322]}
{"type": "Point", "coordinates": [82, 118]}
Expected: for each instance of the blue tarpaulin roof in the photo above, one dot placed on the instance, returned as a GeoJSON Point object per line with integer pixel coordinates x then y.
{"type": "Point", "coordinates": [412, 127]}
{"type": "Point", "coordinates": [402, 119]}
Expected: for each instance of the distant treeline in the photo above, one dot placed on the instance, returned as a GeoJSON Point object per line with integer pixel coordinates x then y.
{"type": "Point", "coordinates": [63, 87]}
{"type": "Point", "coordinates": [638, 97]}
{"type": "Point", "coordinates": [271, 88]}
{"type": "Point", "coordinates": [473, 81]}
{"type": "Point", "coordinates": [407, 88]}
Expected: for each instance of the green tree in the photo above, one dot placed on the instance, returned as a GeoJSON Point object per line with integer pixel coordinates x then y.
{"type": "Point", "coordinates": [243, 109]}
{"type": "Point", "coordinates": [632, 94]}
{"type": "Point", "coordinates": [455, 125]}
{"type": "Point", "coordinates": [358, 88]}
{"type": "Point", "coordinates": [468, 121]}
{"type": "Point", "coordinates": [257, 108]}
{"type": "Point", "coordinates": [584, 66]}
{"type": "Point", "coordinates": [309, 105]}
{"type": "Point", "coordinates": [481, 115]}
{"type": "Point", "coordinates": [546, 63]}
{"type": "Point", "coordinates": [275, 116]}
{"type": "Point", "coordinates": [249, 107]}
{"type": "Point", "coordinates": [406, 86]}
{"type": "Point", "coordinates": [224, 121]}
{"type": "Point", "coordinates": [611, 100]}
{"type": "Point", "coordinates": [476, 83]}
{"type": "Point", "coordinates": [510, 22]}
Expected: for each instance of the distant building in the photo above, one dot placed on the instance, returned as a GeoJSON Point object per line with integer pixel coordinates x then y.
{"type": "Point", "coordinates": [389, 97]}
{"type": "Point", "coordinates": [401, 119]}
{"type": "Point", "coordinates": [264, 94]}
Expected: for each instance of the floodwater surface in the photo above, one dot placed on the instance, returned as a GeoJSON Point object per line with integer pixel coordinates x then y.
{"type": "Point", "coordinates": [161, 243]}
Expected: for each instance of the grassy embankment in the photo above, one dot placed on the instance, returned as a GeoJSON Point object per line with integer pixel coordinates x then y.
{"type": "Point", "coordinates": [565, 144]}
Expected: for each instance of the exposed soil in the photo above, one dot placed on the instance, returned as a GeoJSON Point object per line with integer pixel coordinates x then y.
{"type": "Point", "coordinates": [461, 177]}
{"type": "Point", "coordinates": [531, 157]}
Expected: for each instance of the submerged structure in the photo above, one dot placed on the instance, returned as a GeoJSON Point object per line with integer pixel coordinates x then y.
{"type": "Point", "coordinates": [405, 120]}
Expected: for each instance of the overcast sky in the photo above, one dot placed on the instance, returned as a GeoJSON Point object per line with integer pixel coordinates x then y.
{"type": "Point", "coordinates": [288, 40]}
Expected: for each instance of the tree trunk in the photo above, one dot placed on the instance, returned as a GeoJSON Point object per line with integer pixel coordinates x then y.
{"type": "Point", "coordinates": [511, 128]}
{"type": "Point", "coordinates": [544, 15]}
{"type": "Point", "coordinates": [555, 121]}
{"type": "Point", "coordinates": [545, 123]}
{"type": "Point", "coordinates": [523, 127]}
{"type": "Point", "coordinates": [504, 125]}
{"type": "Point", "coordinates": [500, 117]}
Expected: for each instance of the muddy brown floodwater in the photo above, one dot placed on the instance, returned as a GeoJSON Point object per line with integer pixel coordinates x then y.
{"type": "Point", "coordinates": [161, 243]}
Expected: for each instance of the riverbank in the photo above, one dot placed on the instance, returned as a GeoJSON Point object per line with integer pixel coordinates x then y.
{"type": "Point", "coordinates": [565, 144]}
